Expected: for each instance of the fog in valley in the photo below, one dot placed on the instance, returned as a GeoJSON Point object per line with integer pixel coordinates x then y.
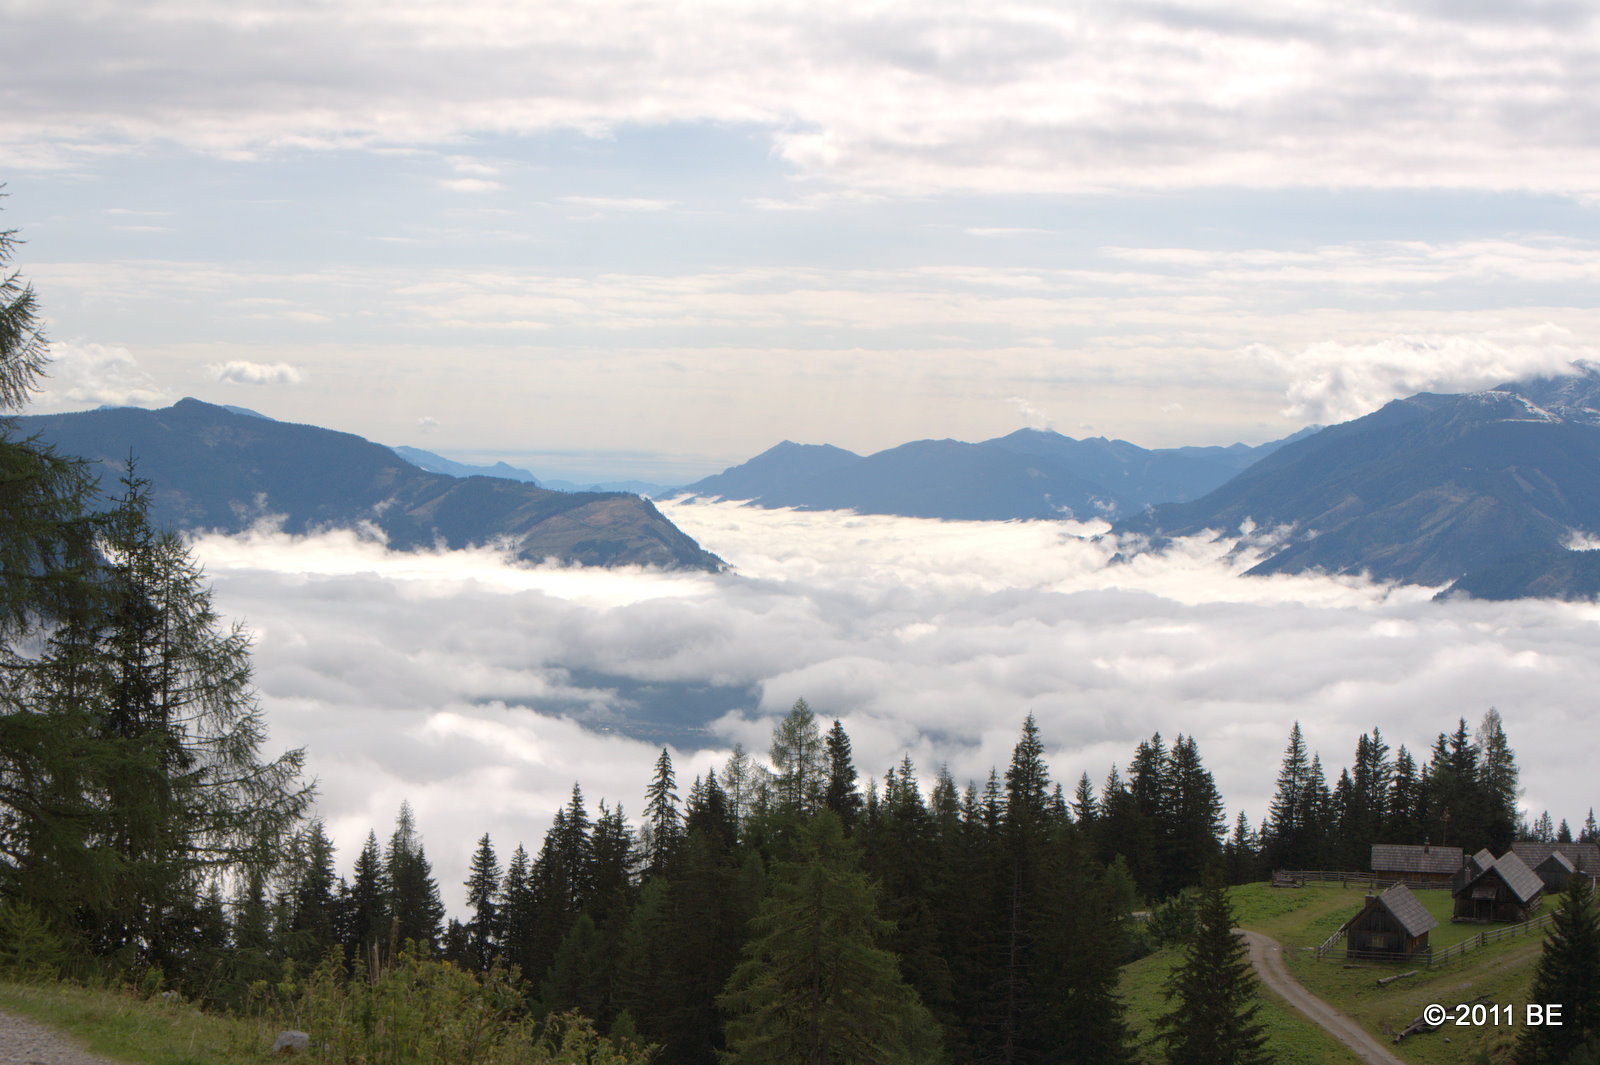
{"type": "Point", "coordinates": [481, 690]}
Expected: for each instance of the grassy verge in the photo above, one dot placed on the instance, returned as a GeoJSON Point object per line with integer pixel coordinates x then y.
{"type": "Point", "coordinates": [119, 1024]}
{"type": "Point", "coordinates": [1292, 1039]}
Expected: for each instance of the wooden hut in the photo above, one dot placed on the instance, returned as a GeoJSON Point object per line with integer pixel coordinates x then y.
{"type": "Point", "coordinates": [1555, 871]}
{"type": "Point", "coordinates": [1416, 863]}
{"type": "Point", "coordinates": [1583, 857]}
{"type": "Point", "coordinates": [1392, 926]}
{"type": "Point", "coordinates": [1506, 890]}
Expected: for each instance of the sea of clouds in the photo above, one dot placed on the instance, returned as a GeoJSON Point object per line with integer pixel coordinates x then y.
{"type": "Point", "coordinates": [481, 690]}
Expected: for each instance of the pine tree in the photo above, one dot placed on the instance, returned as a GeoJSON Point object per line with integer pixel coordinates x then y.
{"type": "Point", "coordinates": [841, 796]}
{"type": "Point", "coordinates": [661, 818]}
{"type": "Point", "coordinates": [1284, 835]}
{"type": "Point", "coordinates": [1213, 1020]}
{"type": "Point", "coordinates": [815, 988]}
{"type": "Point", "coordinates": [516, 912]}
{"type": "Point", "coordinates": [1195, 821]}
{"type": "Point", "coordinates": [368, 908]}
{"type": "Point", "coordinates": [483, 887]}
{"type": "Point", "coordinates": [414, 904]}
{"type": "Point", "coordinates": [313, 926]}
{"type": "Point", "coordinates": [1084, 807]}
{"type": "Point", "coordinates": [612, 861]}
{"type": "Point", "coordinates": [1568, 975]}
{"type": "Point", "coordinates": [1498, 778]}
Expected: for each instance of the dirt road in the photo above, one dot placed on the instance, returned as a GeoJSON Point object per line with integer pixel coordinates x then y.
{"type": "Point", "coordinates": [1267, 957]}
{"type": "Point", "coordinates": [25, 1042]}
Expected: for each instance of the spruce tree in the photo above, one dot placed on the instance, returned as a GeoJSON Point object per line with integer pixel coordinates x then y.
{"type": "Point", "coordinates": [661, 818]}
{"type": "Point", "coordinates": [1284, 834]}
{"type": "Point", "coordinates": [313, 926]}
{"type": "Point", "coordinates": [483, 887]}
{"type": "Point", "coordinates": [1213, 1019]}
{"type": "Point", "coordinates": [1569, 976]}
{"type": "Point", "coordinates": [515, 913]}
{"type": "Point", "coordinates": [1498, 779]}
{"type": "Point", "coordinates": [814, 987]}
{"type": "Point", "coordinates": [414, 904]}
{"type": "Point", "coordinates": [367, 912]}
{"type": "Point", "coordinates": [841, 796]}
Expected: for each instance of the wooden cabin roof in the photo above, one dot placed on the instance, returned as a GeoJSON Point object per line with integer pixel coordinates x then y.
{"type": "Point", "coordinates": [1415, 858]}
{"type": "Point", "coordinates": [1559, 861]}
{"type": "Point", "coordinates": [1512, 871]}
{"type": "Point", "coordinates": [1407, 910]}
{"type": "Point", "coordinates": [1585, 856]}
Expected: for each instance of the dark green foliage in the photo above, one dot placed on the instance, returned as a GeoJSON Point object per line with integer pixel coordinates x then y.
{"type": "Point", "coordinates": [414, 905]}
{"type": "Point", "coordinates": [1569, 974]}
{"type": "Point", "coordinates": [366, 910]}
{"type": "Point", "coordinates": [815, 988]}
{"type": "Point", "coordinates": [841, 795]}
{"type": "Point", "coordinates": [483, 887]}
{"type": "Point", "coordinates": [129, 754]}
{"type": "Point", "coordinates": [1213, 1017]}
{"type": "Point", "coordinates": [577, 975]}
{"type": "Point", "coordinates": [661, 818]}
{"type": "Point", "coordinates": [22, 345]}
{"type": "Point", "coordinates": [800, 760]}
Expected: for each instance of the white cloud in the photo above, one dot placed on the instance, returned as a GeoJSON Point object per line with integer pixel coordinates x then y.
{"type": "Point", "coordinates": [619, 203]}
{"type": "Point", "coordinates": [90, 375]}
{"type": "Point", "coordinates": [1334, 382]}
{"type": "Point", "coordinates": [471, 185]}
{"type": "Point", "coordinates": [456, 680]}
{"type": "Point", "coordinates": [241, 372]}
{"type": "Point", "coordinates": [899, 96]}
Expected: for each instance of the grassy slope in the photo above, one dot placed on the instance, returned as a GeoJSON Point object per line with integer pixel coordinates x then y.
{"type": "Point", "coordinates": [1292, 1039]}
{"type": "Point", "coordinates": [120, 1025]}
{"type": "Point", "coordinates": [1302, 918]}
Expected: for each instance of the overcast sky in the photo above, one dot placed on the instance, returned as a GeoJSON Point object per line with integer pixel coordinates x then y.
{"type": "Point", "coordinates": [654, 239]}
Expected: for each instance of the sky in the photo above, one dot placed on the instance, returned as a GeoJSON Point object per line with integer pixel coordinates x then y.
{"type": "Point", "coordinates": [651, 240]}
{"type": "Point", "coordinates": [481, 691]}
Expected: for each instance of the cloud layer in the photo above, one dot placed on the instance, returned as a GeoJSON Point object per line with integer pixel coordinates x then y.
{"type": "Point", "coordinates": [899, 96]}
{"type": "Point", "coordinates": [458, 681]}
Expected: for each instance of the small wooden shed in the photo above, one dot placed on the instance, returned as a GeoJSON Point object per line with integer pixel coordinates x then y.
{"type": "Point", "coordinates": [1555, 871]}
{"type": "Point", "coordinates": [1506, 890]}
{"type": "Point", "coordinates": [1391, 926]}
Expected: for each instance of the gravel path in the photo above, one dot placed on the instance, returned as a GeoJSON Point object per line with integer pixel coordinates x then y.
{"type": "Point", "coordinates": [25, 1042]}
{"type": "Point", "coordinates": [1267, 957]}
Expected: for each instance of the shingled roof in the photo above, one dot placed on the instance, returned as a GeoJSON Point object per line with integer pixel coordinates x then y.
{"type": "Point", "coordinates": [1585, 856]}
{"type": "Point", "coordinates": [1407, 910]}
{"type": "Point", "coordinates": [1415, 858]}
{"type": "Point", "coordinates": [1523, 882]}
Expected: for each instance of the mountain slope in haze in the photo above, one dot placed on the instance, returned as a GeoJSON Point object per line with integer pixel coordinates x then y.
{"type": "Point", "coordinates": [1429, 489]}
{"type": "Point", "coordinates": [211, 468]}
{"type": "Point", "coordinates": [427, 460]}
{"type": "Point", "coordinates": [1028, 474]}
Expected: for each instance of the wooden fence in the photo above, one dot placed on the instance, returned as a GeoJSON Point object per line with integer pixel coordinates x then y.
{"type": "Point", "coordinates": [1370, 881]}
{"type": "Point", "coordinates": [1484, 938]}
